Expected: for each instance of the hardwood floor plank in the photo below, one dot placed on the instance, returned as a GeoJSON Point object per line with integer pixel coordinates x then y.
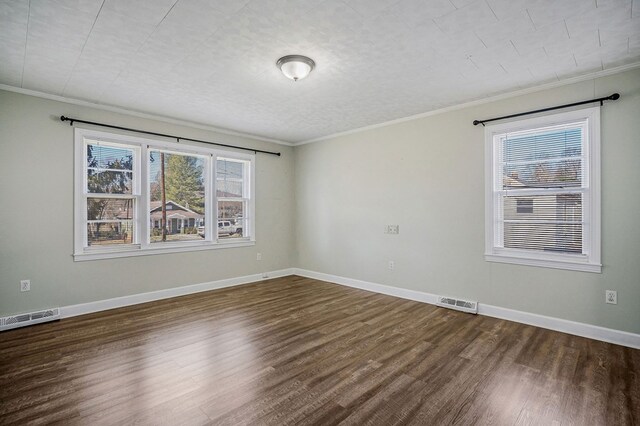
{"type": "Point", "coordinates": [297, 351]}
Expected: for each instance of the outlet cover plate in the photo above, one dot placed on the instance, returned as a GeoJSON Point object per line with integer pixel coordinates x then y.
{"type": "Point", "coordinates": [392, 229]}
{"type": "Point", "coordinates": [25, 285]}
{"type": "Point", "coordinates": [611, 296]}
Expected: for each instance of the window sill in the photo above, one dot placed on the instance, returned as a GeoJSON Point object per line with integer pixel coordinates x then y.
{"type": "Point", "coordinates": [136, 251]}
{"type": "Point", "coordinates": [545, 263]}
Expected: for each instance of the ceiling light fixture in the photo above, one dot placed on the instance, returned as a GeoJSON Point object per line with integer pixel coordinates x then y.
{"type": "Point", "coordinates": [295, 67]}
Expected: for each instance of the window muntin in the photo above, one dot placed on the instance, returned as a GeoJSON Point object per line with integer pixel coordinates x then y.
{"type": "Point", "coordinates": [118, 202]}
{"type": "Point", "coordinates": [542, 191]}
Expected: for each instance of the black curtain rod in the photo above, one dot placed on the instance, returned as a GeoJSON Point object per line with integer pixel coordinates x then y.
{"type": "Point", "coordinates": [178, 138]}
{"type": "Point", "coordinates": [601, 100]}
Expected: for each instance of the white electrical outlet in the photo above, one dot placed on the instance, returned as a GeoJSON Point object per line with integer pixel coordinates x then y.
{"type": "Point", "coordinates": [259, 256]}
{"type": "Point", "coordinates": [392, 265]}
{"type": "Point", "coordinates": [25, 285]}
{"type": "Point", "coordinates": [611, 296]}
{"type": "Point", "coordinates": [265, 275]}
{"type": "Point", "coordinates": [392, 229]}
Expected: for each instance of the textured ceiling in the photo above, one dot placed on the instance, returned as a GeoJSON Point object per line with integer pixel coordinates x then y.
{"type": "Point", "coordinates": [213, 62]}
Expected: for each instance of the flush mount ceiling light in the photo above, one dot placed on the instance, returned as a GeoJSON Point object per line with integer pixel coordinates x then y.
{"type": "Point", "coordinates": [295, 67]}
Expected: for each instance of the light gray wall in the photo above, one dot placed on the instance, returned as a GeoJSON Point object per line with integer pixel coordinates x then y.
{"type": "Point", "coordinates": [36, 214]}
{"type": "Point", "coordinates": [327, 213]}
{"type": "Point", "coordinates": [427, 175]}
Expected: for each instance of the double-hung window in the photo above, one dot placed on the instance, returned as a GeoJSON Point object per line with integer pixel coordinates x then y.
{"type": "Point", "coordinates": [138, 196]}
{"type": "Point", "coordinates": [542, 193]}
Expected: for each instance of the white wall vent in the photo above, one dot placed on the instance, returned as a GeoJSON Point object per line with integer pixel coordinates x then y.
{"type": "Point", "coordinates": [458, 304]}
{"type": "Point", "coordinates": [22, 320]}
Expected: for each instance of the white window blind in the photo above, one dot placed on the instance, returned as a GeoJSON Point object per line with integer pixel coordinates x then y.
{"type": "Point", "coordinates": [540, 199]}
{"type": "Point", "coordinates": [110, 194]}
{"type": "Point", "coordinates": [544, 167]}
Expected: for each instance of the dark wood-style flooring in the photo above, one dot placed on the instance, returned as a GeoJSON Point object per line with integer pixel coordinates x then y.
{"type": "Point", "coordinates": [299, 351]}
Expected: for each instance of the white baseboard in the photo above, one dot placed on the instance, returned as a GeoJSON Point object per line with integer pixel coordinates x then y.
{"type": "Point", "coordinates": [134, 299]}
{"type": "Point", "coordinates": [609, 335]}
{"type": "Point", "coordinates": [566, 326]}
{"type": "Point", "coordinates": [404, 293]}
{"type": "Point", "coordinates": [590, 331]}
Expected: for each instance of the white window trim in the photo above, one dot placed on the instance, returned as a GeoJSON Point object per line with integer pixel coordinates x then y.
{"type": "Point", "coordinates": [589, 262]}
{"type": "Point", "coordinates": [141, 244]}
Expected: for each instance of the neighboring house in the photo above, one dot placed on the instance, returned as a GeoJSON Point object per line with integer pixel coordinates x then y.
{"type": "Point", "coordinates": [105, 231]}
{"type": "Point", "coordinates": [178, 217]}
{"type": "Point", "coordinates": [231, 208]}
{"type": "Point", "coordinates": [529, 220]}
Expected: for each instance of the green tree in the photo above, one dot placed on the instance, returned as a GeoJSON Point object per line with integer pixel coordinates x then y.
{"type": "Point", "coordinates": [109, 180]}
{"type": "Point", "coordinates": [184, 181]}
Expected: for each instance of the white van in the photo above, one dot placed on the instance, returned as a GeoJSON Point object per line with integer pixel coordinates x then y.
{"type": "Point", "coordinates": [225, 228]}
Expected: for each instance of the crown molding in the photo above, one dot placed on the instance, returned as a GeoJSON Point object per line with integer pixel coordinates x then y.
{"type": "Point", "coordinates": [534, 89]}
{"type": "Point", "coordinates": [125, 111]}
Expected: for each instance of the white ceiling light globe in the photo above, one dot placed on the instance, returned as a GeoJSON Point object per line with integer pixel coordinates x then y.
{"type": "Point", "coordinates": [295, 67]}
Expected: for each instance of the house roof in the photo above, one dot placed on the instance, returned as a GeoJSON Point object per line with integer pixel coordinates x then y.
{"type": "Point", "coordinates": [512, 182]}
{"type": "Point", "coordinates": [156, 205]}
{"type": "Point", "coordinates": [177, 211]}
{"type": "Point", "coordinates": [178, 214]}
{"type": "Point", "coordinates": [518, 182]}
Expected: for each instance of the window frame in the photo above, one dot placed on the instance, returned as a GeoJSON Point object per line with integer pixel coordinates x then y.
{"type": "Point", "coordinates": [141, 183]}
{"type": "Point", "coordinates": [135, 196]}
{"type": "Point", "coordinates": [245, 199]}
{"type": "Point", "coordinates": [590, 259]}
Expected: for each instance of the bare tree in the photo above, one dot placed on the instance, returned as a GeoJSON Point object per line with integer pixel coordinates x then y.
{"type": "Point", "coordinates": [163, 191]}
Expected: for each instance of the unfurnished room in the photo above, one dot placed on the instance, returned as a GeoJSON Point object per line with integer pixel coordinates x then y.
{"type": "Point", "coordinates": [332, 212]}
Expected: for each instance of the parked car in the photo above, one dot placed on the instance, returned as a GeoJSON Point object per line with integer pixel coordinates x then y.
{"type": "Point", "coordinates": [225, 228]}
